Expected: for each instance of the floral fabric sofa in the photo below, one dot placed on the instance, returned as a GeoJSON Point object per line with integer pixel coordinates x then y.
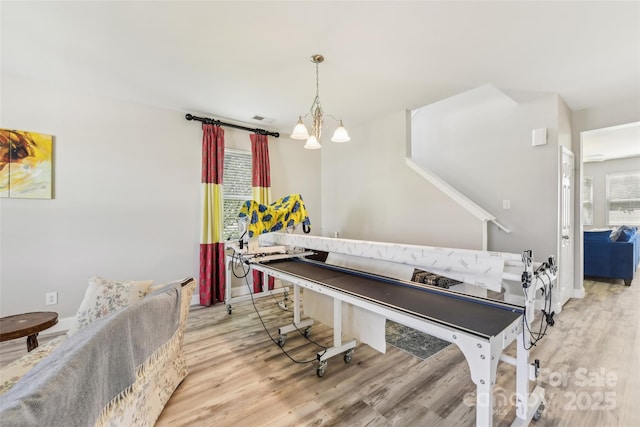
{"type": "Point", "coordinates": [117, 366]}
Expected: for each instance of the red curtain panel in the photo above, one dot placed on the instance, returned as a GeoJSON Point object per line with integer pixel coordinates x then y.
{"type": "Point", "coordinates": [261, 188]}
{"type": "Point", "coordinates": [212, 258]}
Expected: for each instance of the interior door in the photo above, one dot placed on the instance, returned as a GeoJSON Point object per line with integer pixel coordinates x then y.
{"type": "Point", "coordinates": [565, 261]}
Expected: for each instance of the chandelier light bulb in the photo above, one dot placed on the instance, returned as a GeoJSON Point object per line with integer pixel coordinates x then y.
{"type": "Point", "coordinates": [312, 143]}
{"type": "Point", "coordinates": [341, 134]}
{"type": "Point", "coordinates": [300, 131]}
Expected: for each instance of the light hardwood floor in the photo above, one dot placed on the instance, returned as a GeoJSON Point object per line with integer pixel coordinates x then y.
{"type": "Point", "coordinates": [590, 365]}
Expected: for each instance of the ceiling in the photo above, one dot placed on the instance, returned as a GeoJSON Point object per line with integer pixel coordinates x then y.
{"type": "Point", "coordinates": [616, 142]}
{"type": "Point", "coordinates": [237, 59]}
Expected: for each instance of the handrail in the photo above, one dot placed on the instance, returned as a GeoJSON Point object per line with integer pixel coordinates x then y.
{"type": "Point", "coordinates": [454, 194]}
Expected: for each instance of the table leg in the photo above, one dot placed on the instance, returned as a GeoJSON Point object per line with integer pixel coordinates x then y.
{"type": "Point", "coordinates": [32, 342]}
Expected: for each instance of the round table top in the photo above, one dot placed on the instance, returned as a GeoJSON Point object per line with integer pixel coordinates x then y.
{"type": "Point", "coordinates": [22, 325]}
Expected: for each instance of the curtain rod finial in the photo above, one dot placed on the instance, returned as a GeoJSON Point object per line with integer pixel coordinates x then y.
{"type": "Point", "coordinates": [188, 117]}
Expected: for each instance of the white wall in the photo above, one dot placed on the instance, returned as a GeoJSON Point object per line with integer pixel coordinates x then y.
{"type": "Point", "coordinates": [480, 143]}
{"type": "Point", "coordinates": [295, 170]}
{"type": "Point", "coordinates": [565, 138]}
{"type": "Point", "coordinates": [369, 193]}
{"type": "Point", "coordinates": [604, 116]}
{"type": "Point", "coordinates": [127, 195]}
{"type": "Point", "coordinates": [599, 171]}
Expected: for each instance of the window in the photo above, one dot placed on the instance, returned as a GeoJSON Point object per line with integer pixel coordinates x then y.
{"type": "Point", "coordinates": [623, 198]}
{"type": "Point", "coordinates": [587, 201]}
{"type": "Point", "coordinates": [237, 188]}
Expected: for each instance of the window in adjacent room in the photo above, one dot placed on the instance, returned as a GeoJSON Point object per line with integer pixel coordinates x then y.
{"type": "Point", "coordinates": [623, 198]}
{"type": "Point", "coordinates": [237, 188]}
{"type": "Point", "coordinates": [587, 201]}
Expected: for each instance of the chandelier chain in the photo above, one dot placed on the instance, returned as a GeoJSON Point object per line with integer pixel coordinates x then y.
{"type": "Point", "coordinates": [316, 101]}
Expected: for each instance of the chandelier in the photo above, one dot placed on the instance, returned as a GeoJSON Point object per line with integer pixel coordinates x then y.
{"type": "Point", "coordinates": [300, 130]}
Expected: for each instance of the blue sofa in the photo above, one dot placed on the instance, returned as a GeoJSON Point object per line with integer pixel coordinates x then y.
{"type": "Point", "coordinates": [612, 254]}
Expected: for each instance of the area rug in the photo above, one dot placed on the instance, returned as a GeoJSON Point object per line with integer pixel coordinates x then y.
{"type": "Point", "coordinates": [413, 342]}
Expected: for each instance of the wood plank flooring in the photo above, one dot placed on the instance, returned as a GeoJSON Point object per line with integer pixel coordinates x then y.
{"type": "Point", "coordinates": [590, 365]}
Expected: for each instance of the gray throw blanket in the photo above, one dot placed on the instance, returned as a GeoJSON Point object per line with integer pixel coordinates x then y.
{"type": "Point", "coordinates": [78, 379]}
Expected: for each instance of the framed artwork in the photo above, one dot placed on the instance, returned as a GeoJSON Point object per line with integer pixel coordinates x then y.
{"type": "Point", "coordinates": [26, 164]}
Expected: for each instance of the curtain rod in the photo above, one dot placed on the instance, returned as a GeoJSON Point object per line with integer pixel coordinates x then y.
{"type": "Point", "coordinates": [231, 125]}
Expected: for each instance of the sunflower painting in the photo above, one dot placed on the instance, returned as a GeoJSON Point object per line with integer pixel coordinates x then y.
{"type": "Point", "coordinates": [25, 164]}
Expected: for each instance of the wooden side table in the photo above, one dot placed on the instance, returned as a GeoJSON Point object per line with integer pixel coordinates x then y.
{"type": "Point", "coordinates": [27, 325]}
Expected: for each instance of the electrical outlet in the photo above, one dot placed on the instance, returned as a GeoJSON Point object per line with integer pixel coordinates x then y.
{"type": "Point", "coordinates": [506, 204]}
{"type": "Point", "coordinates": [52, 298]}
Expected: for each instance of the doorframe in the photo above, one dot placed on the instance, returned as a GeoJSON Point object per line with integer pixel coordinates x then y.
{"type": "Point", "coordinates": [569, 293]}
{"type": "Point", "coordinates": [578, 242]}
{"type": "Point", "coordinates": [586, 121]}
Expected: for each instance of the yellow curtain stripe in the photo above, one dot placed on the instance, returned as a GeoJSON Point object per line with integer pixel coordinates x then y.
{"type": "Point", "coordinates": [261, 195]}
{"type": "Point", "coordinates": [212, 215]}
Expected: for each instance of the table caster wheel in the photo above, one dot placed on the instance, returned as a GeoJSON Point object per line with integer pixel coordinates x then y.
{"type": "Point", "coordinates": [539, 412]}
{"type": "Point", "coordinates": [347, 356]}
{"type": "Point", "coordinates": [321, 368]}
{"type": "Point", "coordinates": [281, 340]}
{"type": "Point", "coordinates": [307, 332]}
{"type": "Point", "coordinates": [229, 309]}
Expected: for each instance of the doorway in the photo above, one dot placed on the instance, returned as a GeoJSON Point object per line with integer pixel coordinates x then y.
{"type": "Point", "coordinates": [565, 254]}
{"type": "Point", "coordinates": [603, 151]}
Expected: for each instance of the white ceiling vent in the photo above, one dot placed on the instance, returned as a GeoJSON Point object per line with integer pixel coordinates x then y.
{"type": "Point", "coordinates": [262, 119]}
